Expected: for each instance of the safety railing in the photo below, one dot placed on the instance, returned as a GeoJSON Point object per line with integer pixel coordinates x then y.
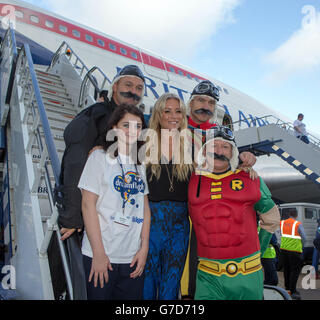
{"type": "Point", "coordinates": [75, 60]}
{"type": "Point", "coordinates": [95, 78]}
{"type": "Point", "coordinates": [48, 153]}
{"type": "Point", "coordinates": [9, 55]}
{"type": "Point", "coordinates": [285, 125]}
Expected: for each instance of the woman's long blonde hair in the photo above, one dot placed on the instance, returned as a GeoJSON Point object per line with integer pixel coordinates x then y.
{"type": "Point", "coordinates": [183, 169]}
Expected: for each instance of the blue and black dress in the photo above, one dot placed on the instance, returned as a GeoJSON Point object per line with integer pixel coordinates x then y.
{"type": "Point", "coordinates": [169, 235]}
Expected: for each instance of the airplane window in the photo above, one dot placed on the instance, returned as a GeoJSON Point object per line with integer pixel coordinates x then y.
{"type": "Point", "coordinates": [197, 79]}
{"type": "Point", "coordinates": [49, 24]}
{"type": "Point", "coordinates": [89, 38]}
{"type": "Point", "coordinates": [34, 19]}
{"type": "Point", "coordinates": [112, 47]}
{"type": "Point", "coordinates": [310, 213]}
{"type": "Point", "coordinates": [134, 55]}
{"type": "Point", "coordinates": [171, 69]}
{"type": "Point", "coordinates": [180, 72]}
{"type": "Point", "coordinates": [123, 51]}
{"type": "Point", "coordinates": [19, 14]}
{"type": "Point", "coordinates": [101, 43]}
{"type": "Point", "coordinates": [219, 88]}
{"type": "Point", "coordinates": [63, 28]}
{"type": "Point", "coordinates": [225, 90]}
{"type": "Point", "coordinates": [189, 76]}
{"type": "Point", "coordinates": [76, 33]}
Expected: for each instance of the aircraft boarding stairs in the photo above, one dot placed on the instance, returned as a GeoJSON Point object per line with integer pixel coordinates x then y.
{"type": "Point", "coordinates": [35, 109]}
{"type": "Point", "coordinates": [277, 137]}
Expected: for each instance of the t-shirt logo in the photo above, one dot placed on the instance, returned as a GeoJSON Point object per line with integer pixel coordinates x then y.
{"type": "Point", "coordinates": [236, 185]}
{"type": "Point", "coordinates": [128, 186]}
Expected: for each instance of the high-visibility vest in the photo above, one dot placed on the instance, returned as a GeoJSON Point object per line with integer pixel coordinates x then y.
{"type": "Point", "coordinates": [290, 238]}
{"type": "Point", "coordinates": [270, 252]}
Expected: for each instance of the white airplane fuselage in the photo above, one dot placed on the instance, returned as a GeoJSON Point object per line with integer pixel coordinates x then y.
{"type": "Point", "coordinates": [162, 75]}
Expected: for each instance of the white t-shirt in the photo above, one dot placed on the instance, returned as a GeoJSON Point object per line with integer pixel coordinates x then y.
{"type": "Point", "coordinates": [104, 177]}
{"type": "Point", "coordinates": [301, 126]}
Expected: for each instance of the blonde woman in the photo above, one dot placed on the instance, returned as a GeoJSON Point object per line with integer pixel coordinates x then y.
{"type": "Point", "coordinates": [168, 173]}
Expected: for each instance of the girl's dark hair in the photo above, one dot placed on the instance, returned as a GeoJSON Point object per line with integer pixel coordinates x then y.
{"type": "Point", "coordinates": [116, 116]}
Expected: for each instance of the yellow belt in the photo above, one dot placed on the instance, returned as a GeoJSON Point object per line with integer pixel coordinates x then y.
{"type": "Point", "coordinates": [231, 268]}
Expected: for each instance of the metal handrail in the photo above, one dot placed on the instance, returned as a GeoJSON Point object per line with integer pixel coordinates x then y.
{"type": "Point", "coordinates": [14, 64]}
{"type": "Point", "coordinates": [66, 49]}
{"type": "Point", "coordinates": [9, 41]}
{"type": "Point", "coordinates": [90, 79]}
{"type": "Point", "coordinates": [52, 151]}
{"type": "Point", "coordinates": [78, 64]}
{"type": "Point", "coordinates": [47, 151]}
{"type": "Point", "coordinates": [10, 36]}
{"type": "Point", "coordinates": [284, 125]}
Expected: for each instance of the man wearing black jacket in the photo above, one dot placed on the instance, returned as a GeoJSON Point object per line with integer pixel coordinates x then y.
{"type": "Point", "coordinates": [83, 133]}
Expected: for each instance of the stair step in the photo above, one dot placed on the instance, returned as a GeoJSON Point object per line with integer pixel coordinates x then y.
{"type": "Point", "coordinates": [55, 114]}
{"type": "Point", "coordinates": [65, 113]}
{"type": "Point", "coordinates": [53, 82]}
{"type": "Point", "coordinates": [50, 83]}
{"type": "Point", "coordinates": [46, 79]}
{"type": "Point", "coordinates": [47, 74]}
{"type": "Point", "coordinates": [56, 128]}
{"type": "Point", "coordinates": [53, 89]}
{"type": "Point", "coordinates": [57, 101]}
{"type": "Point", "coordinates": [53, 110]}
{"type": "Point", "coordinates": [52, 96]}
{"type": "Point", "coordinates": [59, 144]}
{"type": "Point", "coordinates": [59, 122]}
{"type": "Point", "coordinates": [64, 107]}
{"type": "Point", "coordinates": [59, 105]}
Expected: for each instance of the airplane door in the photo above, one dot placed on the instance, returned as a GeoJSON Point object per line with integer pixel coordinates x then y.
{"type": "Point", "coordinates": [154, 67]}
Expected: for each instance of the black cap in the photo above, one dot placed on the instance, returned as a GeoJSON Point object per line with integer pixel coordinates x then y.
{"type": "Point", "coordinates": [206, 88]}
{"type": "Point", "coordinates": [131, 70]}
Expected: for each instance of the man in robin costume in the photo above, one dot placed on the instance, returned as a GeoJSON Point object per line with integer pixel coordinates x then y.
{"type": "Point", "coordinates": [223, 202]}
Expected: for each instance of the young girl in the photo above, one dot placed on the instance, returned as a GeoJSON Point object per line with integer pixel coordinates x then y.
{"type": "Point", "coordinates": [116, 212]}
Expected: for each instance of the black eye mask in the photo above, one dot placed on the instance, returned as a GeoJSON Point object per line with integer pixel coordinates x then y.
{"type": "Point", "coordinates": [203, 111]}
{"type": "Point", "coordinates": [130, 95]}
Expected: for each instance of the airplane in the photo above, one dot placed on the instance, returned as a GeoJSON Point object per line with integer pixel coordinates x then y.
{"type": "Point", "coordinates": [45, 31]}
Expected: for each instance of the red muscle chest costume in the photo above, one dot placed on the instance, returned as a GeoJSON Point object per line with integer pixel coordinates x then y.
{"type": "Point", "coordinates": [223, 215]}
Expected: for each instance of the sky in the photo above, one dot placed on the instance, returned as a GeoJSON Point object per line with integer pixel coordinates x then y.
{"type": "Point", "coordinates": [268, 49]}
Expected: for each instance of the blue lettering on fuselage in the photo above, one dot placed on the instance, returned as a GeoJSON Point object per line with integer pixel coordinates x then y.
{"type": "Point", "coordinates": [151, 85]}
{"type": "Point", "coordinates": [226, 110]}
{"type": "Point", "coordinates": [151, 89]}
{"type": "Point", "coordinates": [243, 118]}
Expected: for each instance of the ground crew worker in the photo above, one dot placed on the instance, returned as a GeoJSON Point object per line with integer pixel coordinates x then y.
{"type": "Point", "coordinates": [268, 262]}
{"type": "Point", "coordinates": [316, 249]}
{"type": "Point", "coordinates": [292, 240]}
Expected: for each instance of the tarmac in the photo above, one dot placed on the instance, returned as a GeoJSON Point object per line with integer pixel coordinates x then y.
{"type": "Point", "coordinates": [307, 285]}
